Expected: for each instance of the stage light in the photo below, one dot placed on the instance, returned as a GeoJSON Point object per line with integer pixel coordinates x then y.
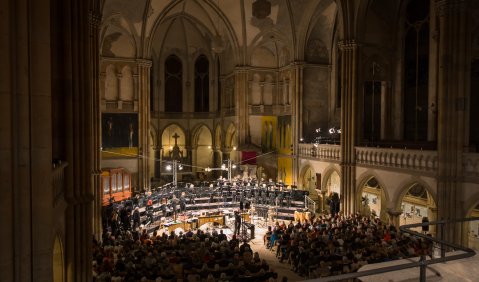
{"type": "Point", "coordinates": [301, 139]}
{"type": "Point", "coordinates": [223, 167]}
{"type": "Point", "coordinates": [233, 166]}
{"type": "Point", "coordinates": [209, 147]}
{"type": "Point", "coordinates": [332, 130]}
{"type": "Point", "coordinates": [234, 148]}
{"type": "Point", "coordinates": [180, 167]}
{"type": "Point", "coordinates": [168, 167]}
{"type": "Point", "coordinates": [171, 147]}
{"type": "Point", "coordinates": [338, 131]}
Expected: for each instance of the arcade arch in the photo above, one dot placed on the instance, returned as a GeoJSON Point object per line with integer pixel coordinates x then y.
{"type": "Point", "coordinates": [373, 199]}
{"type": "Point", "coordinates": [308, 182]}
{"type": "Point", "coordinates": [231, 142]}
{"type": "Point", "coordinates": [171, 134]}
{"type": "Point", "coordinates": [330, 185]}
{"type": "Point", "coordinates": [417, 203]}
{"type": "Point", "coordinates": [202, 148]}
{"type": "Point", "coordinates": [58, 262]}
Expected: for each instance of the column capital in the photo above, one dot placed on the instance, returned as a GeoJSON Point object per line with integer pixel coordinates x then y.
{"type": "Point", "coordinates": [348, 44]}
{"type": "Point", "coordinates": [394, 212]}
{"type": "Point", "coordinates": [94, 19]}
{"type": "Point", "coordinates": [144, 63]}
{"type": "Point", "coordinates": [443, 7]}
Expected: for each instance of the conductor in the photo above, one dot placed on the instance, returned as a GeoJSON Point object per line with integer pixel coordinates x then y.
{"type": "Point", "coordinates": [237, 222]}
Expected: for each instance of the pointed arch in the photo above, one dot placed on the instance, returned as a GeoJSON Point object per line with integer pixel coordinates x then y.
{"type": "Point", "coordinates": [328, 174]}
{"type": "Point", "coordinates": [202, 84]}
{"type": "Point", "coordinates": [173, 84]}
{"type": "Point", "coordinates": [230, 137]}
{"type": "Point", "coordinates": [58, 260]}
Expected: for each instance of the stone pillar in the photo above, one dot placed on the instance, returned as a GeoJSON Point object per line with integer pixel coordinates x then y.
{"type": "Point", "coordinates": [296, 117]}
{"type": "Point", "coordinates": [241, 105]}
{"type": "Point", "coordinates": [349, 62]}
{"type": "Point", "coordinates": [452, 50]}
{"type": "Point", "coordinates": [143, 123]}
{"type": "Point", "coordinates": [393, 216]}
{"type": "Point", "coordinates": [433, 73]}
{"type": "Point", "coordinates": [95, 121]}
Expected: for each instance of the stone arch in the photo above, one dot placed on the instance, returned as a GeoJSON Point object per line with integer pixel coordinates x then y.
{"type": "Point", "coordinates": [58, 260]}
{"type": "Point", "coordinates": [405, 188]}
{"type": "Point", "coordinates": [381, 195]}
{"type": "Point", "coordinates": [168, 141]}
{"type": "Point", "coordinates": [117, 38]}
{"type": "Point", "coordinates": [230, 136]}
{"type": "Point", "coordinates": [126, 84]}
{"type": "Point", "coordinates": [414, 207]}
{"type": "Point", "coordinates": [326, 179]}
{"type": "Point", "coordinates": [202, 152]}
{"type": "Point", "coordinates": [231, 142]}
{"type": "Point", "coordinates": [308, 181]}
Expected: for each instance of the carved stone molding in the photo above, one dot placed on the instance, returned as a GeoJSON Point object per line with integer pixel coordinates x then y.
{"type": "Point", "coordinates": [144, 63]}
{"type": "Point", "coordinates": [349, 44]}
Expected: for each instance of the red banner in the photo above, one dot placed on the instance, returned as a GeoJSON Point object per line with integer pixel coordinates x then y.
{"type": "Point", "coordinates": [248, 157]}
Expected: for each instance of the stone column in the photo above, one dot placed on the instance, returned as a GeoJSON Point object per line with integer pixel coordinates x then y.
{"type": "Point", "coordinates": [143, 123]}
{"type": "Point", "coordinates": [296, 116]}
{"type": "Point", "coordinates": [451, 109]}
{"type": "Point", "coordinates": [349, 62]}
{"type": "Point", "coordinates": [393, 216]}
{"type": "Point", "coordinates": [95, 121]}
{"type": "Point", "coordinates": [241, 105]}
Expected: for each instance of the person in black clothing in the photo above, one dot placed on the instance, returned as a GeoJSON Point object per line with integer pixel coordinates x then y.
{"type": "Point", "coordinates": [237, 222]}
{"type": "Point", "coordinates": [136, 218]}
{"type": "Point", "coordinates": [222, 236]}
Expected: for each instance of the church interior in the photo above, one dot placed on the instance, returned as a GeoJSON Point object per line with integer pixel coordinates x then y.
{"type": "Point", "coordinates": [107, 101]}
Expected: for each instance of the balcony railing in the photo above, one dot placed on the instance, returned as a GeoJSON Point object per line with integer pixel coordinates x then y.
{"type": "Point", "coordinates": [321, 152]}
{"type": "Point", "coordinates": [448, 252]}
{"type": "Point", "coordinates": [398, 158]}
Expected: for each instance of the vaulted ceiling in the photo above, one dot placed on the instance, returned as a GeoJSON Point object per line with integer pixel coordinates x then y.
{"type": "Point", "coordinates": [151, 28]}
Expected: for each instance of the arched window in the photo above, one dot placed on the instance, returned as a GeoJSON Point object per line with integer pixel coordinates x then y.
{"type": "Point", "coordinates": [173, 84]}
{"type": "Point", "coordinates": [202, 88]}
{"type": "Point", "coordinates": [416, 70]}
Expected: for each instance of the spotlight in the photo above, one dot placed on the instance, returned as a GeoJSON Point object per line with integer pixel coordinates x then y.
{"type": "Point", "coordinates": [209, 147]}
{"type": "Point", "coordinates": [338, 131]}
{"type": "Point", "coordinates": [180, 167]}
{"type": "Point", "coordinates": [332, 130]}
{"type": "Point", "coordinates": [223, 167]}
{"type": "Point", "coordinates": [234, 148]}
{"type": "Point", "coordinates": [168, 167]}
{"type": "Point", "coordinates": [233, 166]}
{"type": "Point", "coordinates": [301, 139]}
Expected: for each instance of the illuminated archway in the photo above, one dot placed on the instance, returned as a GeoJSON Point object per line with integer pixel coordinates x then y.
{"type": "Point", "coordinates": [373, 199]}
{"type": "Point", "coordinates": [58, 263]}
{"type": "Point", "coordinates": [417, 203]}
{"type": "Point", "coordinates": [308, 182]}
